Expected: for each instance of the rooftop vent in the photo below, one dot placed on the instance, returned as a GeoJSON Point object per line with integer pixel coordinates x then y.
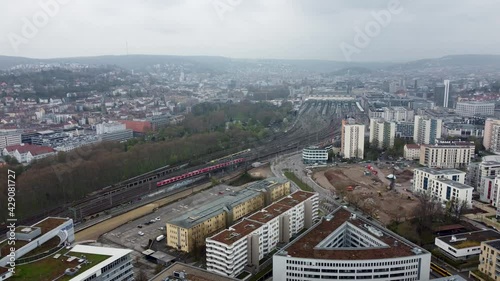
{"type": "Point", "coordinates": [374, 231]}
{"type": "Point", "coordinates": [416, 251]}
{"type": "Point", "coordinates": [455, 239]}
{"type": "Point", "coordinates": [328, 217]}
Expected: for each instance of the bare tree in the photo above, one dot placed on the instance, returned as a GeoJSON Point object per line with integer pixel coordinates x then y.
{"type": "Point", "coordinates": [354, 199]}
{"type": "Point", "coordinates": [428, 209]}
{"type": "Point", "coordinates": [456, 208]}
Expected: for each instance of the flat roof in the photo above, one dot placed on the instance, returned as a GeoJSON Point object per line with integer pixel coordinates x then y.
{"type": "Point", "coordinates": [193, 273]}
{"type": "Point", "coordinates": [455, 184]}
{"type": "Point", "coordinates": [433, 171]}
{"type": "Point", "coordinates": [306, 245]}
{"type": "Point", "coordinates": [470, 239]}
{"type": "Point", "coordinates": [224, 201]}
{"type": "Point", "coordinates": [50, 223]}
{"type": "Point", "coordinates": [494, 244]}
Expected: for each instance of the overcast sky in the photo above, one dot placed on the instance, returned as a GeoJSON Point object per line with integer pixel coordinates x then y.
{"type": "Point", "coordinates": [291, 29]}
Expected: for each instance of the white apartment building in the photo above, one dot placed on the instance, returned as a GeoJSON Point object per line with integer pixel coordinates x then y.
{"type": "Point", "coordinates": [444, 185]}
{"type": "Point", "coordinates": [475, 108]}
{"type": "Point", "coordinates": [352, 139]}
{"type": "Point", "coordinates": [427, 130]}
{"type": "Point", "coordinates": [346, 246]}
{"type": "Point", "coordinates": [491, 140]}
{"type": "Point", "coordinates": [9, 138]}
{"type": "Point", "coordinates": [314, 154]}
{"type": "Point", "coordinates": [398, 114]}
{"type": "Point", "coordinates": [244, 244]}
{"type": "Point", "coordinates": [486, 173]}
{"type": "Point", "coordinates": [382, 133]}
{"type": "Point", "coordinates": [411, 151]}
{"type": "Point", "coordinates": [464, 245]}
{"type": "Point", "coordinates": [447, 155]}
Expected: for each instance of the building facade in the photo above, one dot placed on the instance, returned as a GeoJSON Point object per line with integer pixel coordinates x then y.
{"type": "Point", "coordinates": [352, 139]}
{"type": "Point", "coordinates": [447, 155]}
{"type": "Point", "coordinates": [346, 246]}
{"type": "Point", "coordinates": [486, 173]}
{"type": "Point", "coordinates": [491, 140]}
{"type": "Point", "coordinates": [427, 130]}
{"type": "Point", "coordinates": [190, 230]}
{"type": "Point", "coordinates": [489, 259]}
{"type": "Point", "coordinates": [314, 154]}
{"type": "Point", "coordinates": [464, 245]}
{"type": "Point", "coordinates": [382, 133]}
{"type": "Point", "coordinates": [443, 185]}
{"type": "Point", "coordinates": [244, 244]}
{"type": "Point", "coordinates": [411, 151]}
{"type": "Point", "coordinates": [475, 108]}
{"type": "Point", "coordinates": [9, 138]}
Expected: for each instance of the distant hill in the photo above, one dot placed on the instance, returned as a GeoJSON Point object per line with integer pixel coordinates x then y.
{"type": "Point", "coordinates": [471, 61]}
{"type": "Point", "coordinates": [226, 64]}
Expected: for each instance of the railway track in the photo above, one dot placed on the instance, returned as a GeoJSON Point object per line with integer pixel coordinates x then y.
{"type": "Point", "coordinates": [134, 188]}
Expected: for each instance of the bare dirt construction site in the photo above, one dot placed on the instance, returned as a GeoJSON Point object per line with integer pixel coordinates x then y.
{"type": "Point", "coordinates": [369, 192]}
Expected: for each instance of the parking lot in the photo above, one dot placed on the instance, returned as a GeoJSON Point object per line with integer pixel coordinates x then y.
{"type": "Point", "coordinates": [128, 236]}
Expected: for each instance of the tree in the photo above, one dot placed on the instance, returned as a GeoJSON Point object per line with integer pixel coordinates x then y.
{"type": "Point", "coordinates": [428, 210]}
{"type": "Point", "coordinates": [456, 208]}
{"type": "Point", "coordinates": [142, 276]}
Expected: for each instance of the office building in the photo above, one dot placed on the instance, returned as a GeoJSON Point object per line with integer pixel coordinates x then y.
{"type": "Point", "coordinates": [447, 154]}
{"type": "Point", "coordinates": [189, 230]}
{"type": "Point", "coordinates": [111, 127]}
{"type": "Point", "coordinates": [464, 246]}
{"type": "Point", "coordinates": [427, 130]}
{"type": "Point", "coordinates": [491, 140]}
{"type": "Point", "coordinates": [352, 139]}
{"type": "Point", "coordinates": [443, 185]}
{"type": "Point", "coordinates": [9, 138]}
{"type": "Point", "coordinates": [344, 245]}
{"type": "Point", "coordinates": [397, 114]}
{"type": "Point", "coordinates": [411, 151]}
{"type": "Point", "coordinates": [489, 259]}
{"type": "Point", "coordinates": [442, 95]}
{"type": "Point", "coordinates": [314, 155]}
{"type": "Point", "coordinates": [475, 108]}
{"type": "Point", "coordinates": [462, 130]}
{"type": "Point", "coordinates": [382, 133]}
{"type": "Point", "coordinates": [244, 244]}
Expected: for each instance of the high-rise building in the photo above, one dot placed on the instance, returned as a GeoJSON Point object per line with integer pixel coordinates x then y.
{"type": "Point", "coordinates": [382, 133]}
{"type": "Point", "coordinates": [442, 95]}
{"type": "Point", "coordinates": [427, 130]}
{"type": "Point", "coordinates": [475, 108]}
{"type": "Point", "coordinates": [491, 140]}
{"type": "Point", "coordinates": [352, 139]}
{"type": "Point", "coordinates": [447, 154]}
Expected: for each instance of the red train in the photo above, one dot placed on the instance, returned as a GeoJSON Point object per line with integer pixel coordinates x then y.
{"type": "Point", "coordinates": [199, 172]}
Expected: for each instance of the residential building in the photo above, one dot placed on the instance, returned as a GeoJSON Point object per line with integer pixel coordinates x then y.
{"type": "Point", "coordinates": [9, 138]}
{"type": "Point", "coordinates": [382, 133]}
{"type": "Point", "coordinates": [489, 259]}
{"type": "Point", "coordinates": [411, 151]}
{"type": "Point", "coordinates": [345, 245]}
{"type": "Point", "coordinates": [117, 135]}
{"type": "Point", "coordinates": [397, 114]}
{"type": "Point", "coordinates": [314, 155]}
{"type": "Point", "coordinates": [26, 153]}
{"type": "Point", "coordinates": [447, 154]}
{"type": "Point", "coordinates": [491, 140]}
{"type": "Point", "coordinates": [405, 130]}
{"type": "Point", "coordinates": [111, 127]}
{"type": "Point", "coordinates": [462, 130]}
{"type": "Point", "coordinates": [443, 185]}
{"type": "Point", "coordinates": [352, 139]}
{"type": "Point", "coordinates": [475, 108]}
{"type": "Point", "coordinates": [244, 244]}
{"type": "Point", "coordinates": [464, 245]}
{"type": "Point", "coordinates": [486, 173]}
{"type": "Point", "coordinates": [427, 130]}
{"type": "Point", "coordinates": [189, 230]}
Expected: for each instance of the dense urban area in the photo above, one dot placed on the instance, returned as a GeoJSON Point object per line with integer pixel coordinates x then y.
{"type": "Point", "coordinates": [207, 168]}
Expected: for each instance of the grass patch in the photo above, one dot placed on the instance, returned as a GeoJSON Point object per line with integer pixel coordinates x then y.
{"type": "Point", "coordinates": [49, 268]}
{"type": "Point", "coordinates": [302, 185]}
{"type": "Point", "coordinates": [409, 231]}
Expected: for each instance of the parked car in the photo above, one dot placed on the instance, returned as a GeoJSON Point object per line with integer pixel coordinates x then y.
{"type": "Point", "coordinates": [157, 219]}
{"type": "Point", "coordinates": [140, 233]}
{"type": "Point", "coordinates": [139, 226]}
